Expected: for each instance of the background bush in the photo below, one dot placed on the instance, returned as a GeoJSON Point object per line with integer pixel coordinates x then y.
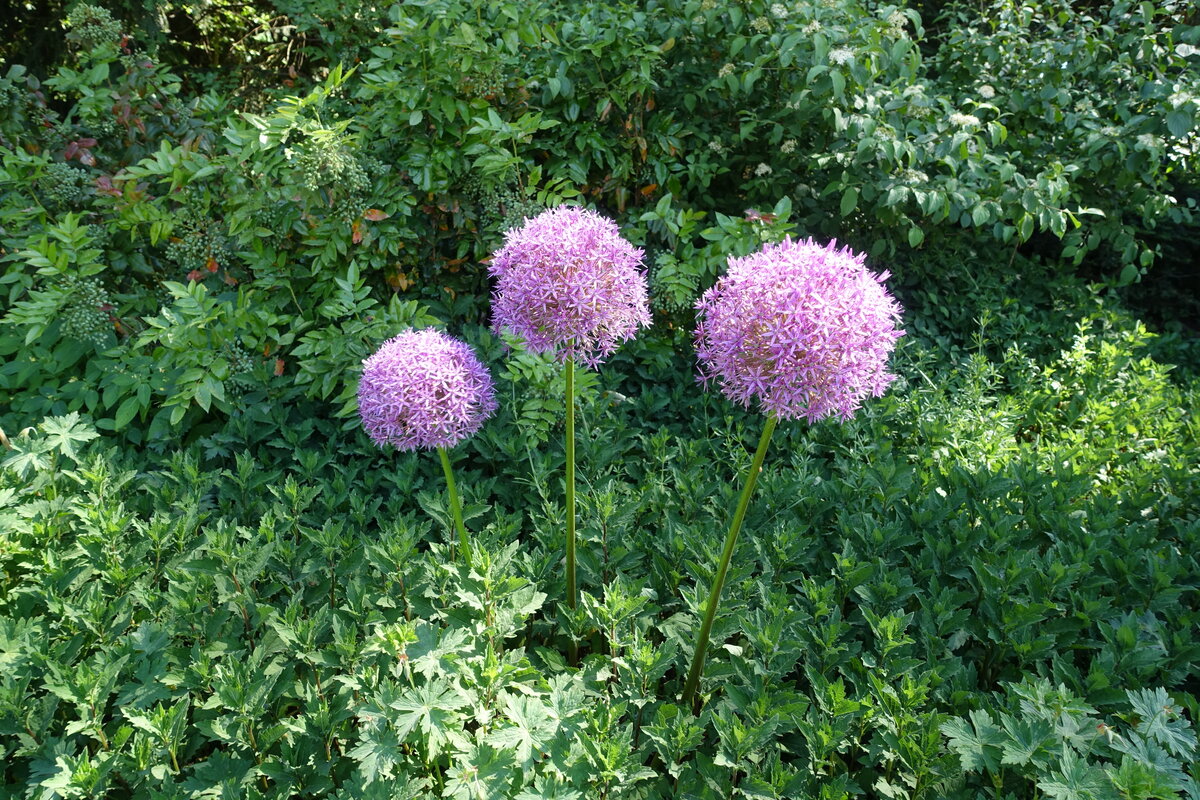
{"type": "Point", "coordinates": [407, 151]}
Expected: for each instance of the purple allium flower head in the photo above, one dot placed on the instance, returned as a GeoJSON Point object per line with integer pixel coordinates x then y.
{"type": "Point", "coordinates": [804, 328]}
{"type": "Point", "coordinates": [567, 282]}
{"type": "Point", "coordinates": [424, 389]}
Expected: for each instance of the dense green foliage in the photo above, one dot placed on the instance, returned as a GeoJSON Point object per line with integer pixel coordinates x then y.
{"type": "Point", "coordinates": [212, 585]}
{"type": "Point", "coordinates": [1015, 527]}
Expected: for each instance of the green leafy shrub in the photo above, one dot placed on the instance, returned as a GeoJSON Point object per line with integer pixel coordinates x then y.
{"type": "Point", "coordinates": [1052, 736]}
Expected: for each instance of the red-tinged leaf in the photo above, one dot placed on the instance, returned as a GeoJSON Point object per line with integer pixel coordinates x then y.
{"type": "Point", "coordinates": [375, 215]}
{"type": "Point", "coordinates": [754, 215]}
{"type": "Point", "coordinates": [87, 141]}
{"type": "Point", "coordinates": [195, 276]}
{"type": "Point", "coordinates": [230, 280]}
{"type": "Point", "coordinates": [278, 367]}
{"type": "Point", "coordinates": [71, 149]}
{"type": "Point", "coordinates": [211, 264]}
{"type": "Point", "coordinates": [104, 185]}
{"type": "Point", "coordinates": [649, 190]}
{"type": "Point", "coordinates": [356, 231]}
{"type": "Point", "coordinates": [86, 157]}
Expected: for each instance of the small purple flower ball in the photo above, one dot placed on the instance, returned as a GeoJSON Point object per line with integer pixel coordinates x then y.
{"type": "Point", "coordinates": [424, 389]}
{"type": "Point", "coordinates": [804, 328]}
{"type": "Point", "coordinates": [569, 283]}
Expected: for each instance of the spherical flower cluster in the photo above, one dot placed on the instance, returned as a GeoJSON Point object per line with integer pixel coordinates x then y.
{"type": "Point", "coordinates": [805, 329]}
{"type": "Point", "coordinates": [964, 120]}
{"type": "Point", "coordinates": [987, 92]}
{"type": "Point", "coordinates": [424, 389]}
{"type": "Point", "coordinates": [567, 282]}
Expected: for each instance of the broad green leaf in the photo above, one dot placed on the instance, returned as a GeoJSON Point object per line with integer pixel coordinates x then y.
{"type": "Point", "coordinates": [1161, 720]}
{"type": "Point", "coordinates": [63, 433]}
{"type": "Point", "coordinates": [976, 742]}
{"type": "Point", "coordinates": [849, 201]}
{"type": "Point", "coordinates": [1180, 123]}
{"type": "Point", "coordinates": [531, 733]}
{"type": "Point", "coordinates": [432, 709]}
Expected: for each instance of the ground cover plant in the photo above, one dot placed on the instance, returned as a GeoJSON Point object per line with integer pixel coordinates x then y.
{"type": "Point", "coordinates": [215, 583]}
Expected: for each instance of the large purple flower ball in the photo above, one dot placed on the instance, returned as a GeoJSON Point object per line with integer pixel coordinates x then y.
{"type": "Point", "coordinates": [803, 328]}
{"type": "Point", "coordinates": [568, 282]}
{"type": "Point", "coordinates": [424, 389]}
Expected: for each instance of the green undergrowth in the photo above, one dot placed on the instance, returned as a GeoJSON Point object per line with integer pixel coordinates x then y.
{"type": "Point", "coordinates": [984, 585]}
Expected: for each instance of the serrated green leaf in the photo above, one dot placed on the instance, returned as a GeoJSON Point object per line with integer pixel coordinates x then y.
{"type": "Point", "coordinates": [977, 742]}
{"type": "Point", "coordinates": [531, 732]}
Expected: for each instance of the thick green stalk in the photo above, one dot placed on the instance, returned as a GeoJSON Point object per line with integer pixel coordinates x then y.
{"type": "Point", "coordinates": [455, 505]}
{"type": "Point", "coordinates": [572, 589]}
{"type": "Point", "coordinates": [714, 595]}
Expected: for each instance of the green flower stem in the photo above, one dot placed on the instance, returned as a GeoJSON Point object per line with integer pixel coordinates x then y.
{"type": "Point", "coordinates": [455, 505]}
{"type": "Point", "coordinates": [714, 595]}
{"type": "Point", "coordinates": [572, 589]}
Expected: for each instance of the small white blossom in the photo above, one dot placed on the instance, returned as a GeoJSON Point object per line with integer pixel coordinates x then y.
{"type": "Point", "coordinates": [1148, 140]}
{"type": "Point", "coordinates": [726, 70]}
{"type": "Point", "coordinates": [789, 146]}
{"type": "Point", "coordinates": [811, 27]}
{"type": "Point", "coordinates": [716, 146]}
{"type": "Point", "coordinates": [840, 55]}
{"type": "Point", "coordinates": [760, 25]}
{"type": "Point", "coordinates": [763, 169]}
{"type": "Point", "coordinates": [779, 11]}
{"type": "Point", "coordinates": [964, 120]}
{"type": "Point", "coordinates": [987, 92]}
{"type": "Point", "coordinates": [1179, 99]}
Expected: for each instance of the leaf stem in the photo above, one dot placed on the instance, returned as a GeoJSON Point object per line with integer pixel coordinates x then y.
{"type": "Point", "coordinates": [714, 595]}
{"type": "Point", "coordinates": [455, 505]}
